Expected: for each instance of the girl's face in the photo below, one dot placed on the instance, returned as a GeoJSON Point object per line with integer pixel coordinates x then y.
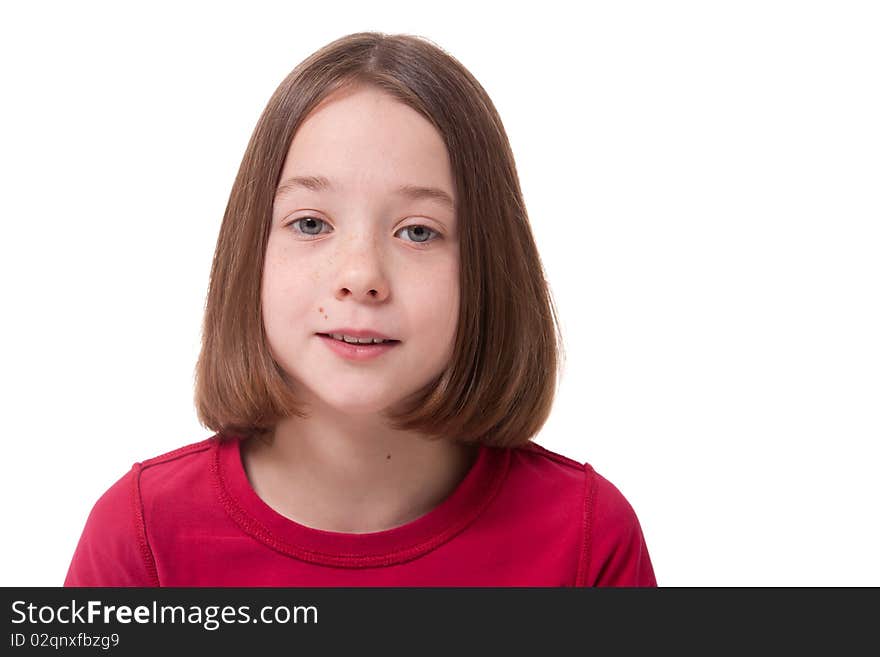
{"type": "Point", "coordinates": [357, 252]}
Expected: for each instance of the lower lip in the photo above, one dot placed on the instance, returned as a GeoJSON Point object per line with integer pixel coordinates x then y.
{"type": "Point", "coordinates": [357, 351]}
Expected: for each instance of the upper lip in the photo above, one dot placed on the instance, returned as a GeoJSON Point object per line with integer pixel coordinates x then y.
{"type": "Point", "coordinates": [357, 333]}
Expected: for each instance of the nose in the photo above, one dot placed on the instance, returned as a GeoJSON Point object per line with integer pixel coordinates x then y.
{"type": "Point", "coordinates": [361, 272]}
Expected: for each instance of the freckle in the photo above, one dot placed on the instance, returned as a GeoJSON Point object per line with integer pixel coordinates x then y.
{"type": "Point", "coordinates": [325, 316]}
{"type": "Point", "coordinates": [320, 310]}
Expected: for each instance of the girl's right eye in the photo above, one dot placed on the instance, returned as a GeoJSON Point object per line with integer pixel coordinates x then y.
{"type": "Point", "coordinates": [308, 225]}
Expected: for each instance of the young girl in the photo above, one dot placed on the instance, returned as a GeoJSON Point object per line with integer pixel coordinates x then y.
{"type": "Point", "coordinates": [379, 346]}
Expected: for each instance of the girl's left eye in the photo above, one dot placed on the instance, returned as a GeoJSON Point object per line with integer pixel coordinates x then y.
{"type": "Point", "coordinates": [420, 231]}
{"type": "Point", "coordinates": [308, 224]}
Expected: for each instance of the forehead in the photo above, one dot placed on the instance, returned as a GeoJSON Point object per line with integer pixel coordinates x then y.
{"type": "Point", "coordinates": [363, 135]}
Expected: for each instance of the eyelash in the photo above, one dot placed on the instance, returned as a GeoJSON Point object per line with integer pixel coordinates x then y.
{"type": "Point", "coordinates": [417, 244]}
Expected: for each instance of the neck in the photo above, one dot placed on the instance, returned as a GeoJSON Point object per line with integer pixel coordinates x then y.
{"type": "Point", "coordinates": [353, 474]}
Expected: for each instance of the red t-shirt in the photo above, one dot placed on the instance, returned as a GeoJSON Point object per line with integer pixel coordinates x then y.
{"type": "Point", "coordinates": [520, 517]}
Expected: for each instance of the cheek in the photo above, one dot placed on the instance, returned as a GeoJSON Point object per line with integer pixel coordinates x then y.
{"type": "Point", "coordinates": [285, 290]}
{"type": "Point", "coordinates": [436, 296]}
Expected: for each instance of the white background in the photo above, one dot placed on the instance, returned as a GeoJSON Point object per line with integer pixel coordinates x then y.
{"type": "Point", "coordinates": [703, 182]}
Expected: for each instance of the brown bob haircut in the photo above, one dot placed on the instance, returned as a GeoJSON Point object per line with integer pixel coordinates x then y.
{"type": "Point", "coordinates": [499, 386]}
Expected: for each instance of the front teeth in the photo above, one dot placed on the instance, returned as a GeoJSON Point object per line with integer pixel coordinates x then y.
{"type": "Point", "coordinates": [350, 340]}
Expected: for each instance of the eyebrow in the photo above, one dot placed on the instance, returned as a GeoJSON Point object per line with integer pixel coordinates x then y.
{"type": "Point", "coordinates": [412, 192]}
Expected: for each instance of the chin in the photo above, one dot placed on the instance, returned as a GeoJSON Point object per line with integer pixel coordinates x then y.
{"type": "Point", "coordinates": [353, 405]}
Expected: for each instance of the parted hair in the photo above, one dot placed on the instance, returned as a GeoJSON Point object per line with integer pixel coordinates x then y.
{"type": "Point", "coordinates": [499, 385]}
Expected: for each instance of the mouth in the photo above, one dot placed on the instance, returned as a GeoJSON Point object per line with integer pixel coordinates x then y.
{"type": "Point", "coordinates": [359, 344]}
{"type": "Point", "coordinates": [357, 352]}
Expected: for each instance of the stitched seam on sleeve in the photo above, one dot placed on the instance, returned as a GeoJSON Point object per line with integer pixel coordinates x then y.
{"type": "Point", "coordinates": [140, 527]}
{"type": "Point", "coordinates": [587, 544]}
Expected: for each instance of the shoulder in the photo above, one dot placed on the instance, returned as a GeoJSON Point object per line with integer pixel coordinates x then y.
{"type": "Point", "coordinates": [190, 458]}
{"type": "Point", "coordinates": [532, 459]}
{"type": "Point", "coordinates": [179, 454]}
{"type": "Point", "coordinates": [544, 467]}
{"type": "Point", "coordinates": [541, 454]}
{"type": "Point", "coordinates": [595, 490]}
{"type": "Point", "coordinates": [611, 545]}
{"type": "Point", "coordinates": [174, 480]}
{"type": "Point", "coordinates": [550, 470]}
{"type": "Point", "coordinates": [150, 482]}
{"type": "Point", "coordinates": [122, 493]}
{"type": "Point", "coordinates": [543, 496]}
{"type": "Point", "coordinates": [115, 547]}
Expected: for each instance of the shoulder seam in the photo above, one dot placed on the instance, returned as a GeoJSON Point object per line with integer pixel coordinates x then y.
{"type": "Point", "coordinates": [141, 528]}
{"type": "Point", "coordinates": [553, 456]}
{"type": "Point", "coordinates": [587, 536]}
{"type": "Point", "coordinates": [174, 454]}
